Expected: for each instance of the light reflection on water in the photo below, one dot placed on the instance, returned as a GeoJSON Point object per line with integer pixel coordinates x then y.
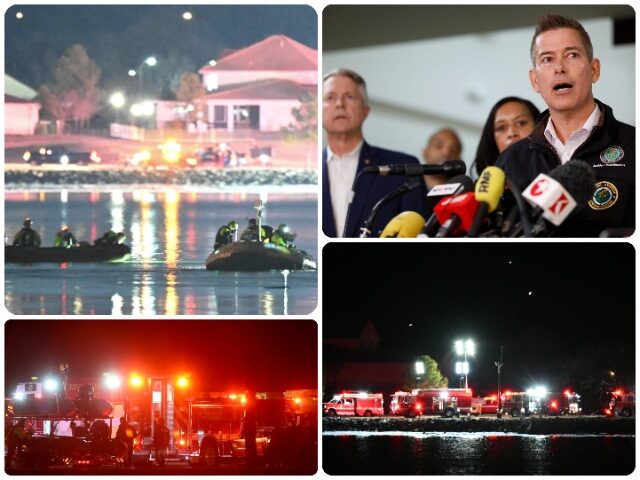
{"type": "Point", "coordinates": [171, 233]}
{"type": "Point", "coordinates": [439, 453]}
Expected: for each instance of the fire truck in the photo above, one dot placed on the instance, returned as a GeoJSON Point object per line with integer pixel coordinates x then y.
{"type": "Point", "coordinates": [401, 403]}
{"type": "Point", "coordinates": [358, 404]}
{"type": "Point", "coordinates": [621, 404]}
{"type": "Point", "coordinates": [485, 405]}
{"type": "Point", "coordinates": [516, 404]}
{"type": "Point", "coordinates": [446, 402]}
{"type": "Point", "coordinates": [565, 403]}
{"type": "Point", "coordinates": [216, 430]}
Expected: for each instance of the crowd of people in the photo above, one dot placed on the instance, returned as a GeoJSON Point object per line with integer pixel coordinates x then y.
{"type": "Point", "coordinates": [516, 137]}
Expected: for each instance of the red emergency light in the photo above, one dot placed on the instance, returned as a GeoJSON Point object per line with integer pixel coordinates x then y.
{"type": "Point", "coordinates": [419, 407]}
{"type": "Point", "coordinates": [554, 404]}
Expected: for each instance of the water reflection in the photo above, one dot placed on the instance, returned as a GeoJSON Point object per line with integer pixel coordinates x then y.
{"type": "Point", "coordinates": [404, 453]}
{"type": "Point", "coordinates": [171, 233]}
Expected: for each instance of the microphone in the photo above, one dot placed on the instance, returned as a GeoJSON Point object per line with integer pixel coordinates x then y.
{"type": "Point", "coordinates": [455, 186]}
{"type": "Point", "coordinates": [556, 195]}
{"type": "Point", "coordinates": [455, 214]}
{"type": "Point", "coordinates": [449, 168]}
{"type": "Point", "coordinates": [404, 225]}
{"type": "Point", "coordinates": [489, 189]}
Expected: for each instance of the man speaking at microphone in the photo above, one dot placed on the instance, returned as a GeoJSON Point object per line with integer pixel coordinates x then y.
{"type": "Point", "coordinates": [576, 126]}
{"type": "Point", "coordinates": [345, 107]}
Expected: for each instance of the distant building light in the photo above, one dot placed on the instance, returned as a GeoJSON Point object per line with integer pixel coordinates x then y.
{"type": "Point", "coordinates": [211, 82]}
{"type": "Point", "coordinates": [213, 63]}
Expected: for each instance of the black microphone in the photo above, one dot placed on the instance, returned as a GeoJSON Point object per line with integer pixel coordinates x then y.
{"type": "Point", "coordinates": [578, 179]}
{"type": "Point", "coordinates": [449, 168]}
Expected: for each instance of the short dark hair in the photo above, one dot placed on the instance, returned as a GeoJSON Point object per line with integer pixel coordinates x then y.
{"type": "Point", "coordinates": [357, 79]}
{"type": "Point", "coordinates": [554, 22]}
{"type": "Point", "coordinates": [487, 152]}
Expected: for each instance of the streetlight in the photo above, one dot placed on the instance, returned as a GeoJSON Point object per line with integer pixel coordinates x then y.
{"type": "Point", "coordinates": [464, 347]}
{"type": "Point", "coordinates": [117, 101]}
{"type": "Point", "coordinates": [499, 364]}
{"type": "Point", "coordinates": [150, 62]}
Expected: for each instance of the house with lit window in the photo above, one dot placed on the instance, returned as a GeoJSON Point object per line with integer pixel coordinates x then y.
{"type": "Point", "coordinates": [254, 88]}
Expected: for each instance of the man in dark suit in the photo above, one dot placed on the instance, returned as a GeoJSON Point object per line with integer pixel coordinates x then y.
{"type": "Point", "coordinates": [345, 107]}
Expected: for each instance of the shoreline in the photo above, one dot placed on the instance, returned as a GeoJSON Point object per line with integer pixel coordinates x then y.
{"type": "Point", "coordinates": [529, 425]}
{"type": "Point", "coordinates": [230, 180]}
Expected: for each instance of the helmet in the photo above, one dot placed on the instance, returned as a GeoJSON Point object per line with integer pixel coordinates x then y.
{"type": "Point", "coordinates": [233, 225]}
{"type": "Point", "coordinates": [252, 221]}
{"type": "Point", "coordinates": [27, 222]}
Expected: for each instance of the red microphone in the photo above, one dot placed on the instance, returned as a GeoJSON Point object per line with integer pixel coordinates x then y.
{"type": "Point", "coordinates": [456, 214]}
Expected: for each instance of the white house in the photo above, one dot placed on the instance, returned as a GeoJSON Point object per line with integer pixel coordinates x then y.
{"type": "Point", "coordinates": [254, 88]}
{"type": "Point", "coordinates": [21, 113]}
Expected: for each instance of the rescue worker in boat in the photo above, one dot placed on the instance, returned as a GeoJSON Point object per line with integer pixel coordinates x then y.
{"type": "Point", "coordinates": [27, 236]}
{"type": "Point", "coordinates": [282, 237]}
{"type": "Point", "coordinates": [226, 234]}
{"type": "Point", "coordinates": [64, 238]}
{"type": "Point", "coordinates": [110, 238]}
{"type": "Point", "coordinates": [251, 232]}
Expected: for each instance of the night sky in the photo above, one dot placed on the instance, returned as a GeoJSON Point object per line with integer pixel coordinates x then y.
{"type": "Point", "coordinates": [422, 297]}
{"type": "Point", "coordinates": [119, 38]}
{"type": "Point", "coordinates": [268, 355]}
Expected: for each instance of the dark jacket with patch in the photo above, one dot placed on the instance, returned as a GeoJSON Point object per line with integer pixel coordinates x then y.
{"type": "Point", "coordinates": [609, 149]}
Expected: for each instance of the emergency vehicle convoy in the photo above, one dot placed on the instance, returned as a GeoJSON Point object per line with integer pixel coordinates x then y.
{"type": "Point", "coordinates": [206, 430]}
{"type": "Point", "coordinates": [358, 404]}
{"type": "Point", "coordinates": [454, 402]}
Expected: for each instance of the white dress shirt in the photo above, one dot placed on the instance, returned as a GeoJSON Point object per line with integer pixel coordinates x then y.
{"type": "Point", "coordinates": [342, 173]}
{"type": "Point", "coordinates": [577, 138]}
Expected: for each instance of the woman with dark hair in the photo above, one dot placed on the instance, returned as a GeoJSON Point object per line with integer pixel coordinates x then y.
{"type": "Point", "coordinates": [510, 120]}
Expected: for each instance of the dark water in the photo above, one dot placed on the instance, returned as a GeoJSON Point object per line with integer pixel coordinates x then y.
{"type": "Point", "coordinates": [170, 233]}
{"type": "Point", "coordinates": [404, 453]}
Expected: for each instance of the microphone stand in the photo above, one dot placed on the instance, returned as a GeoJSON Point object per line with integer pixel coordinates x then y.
{"type": "Point", "coordinates": [411, 184]}
{"type": "Point", "coordinates": [524, 216]}
{"type": "Point", "coordinates": [351, 197]}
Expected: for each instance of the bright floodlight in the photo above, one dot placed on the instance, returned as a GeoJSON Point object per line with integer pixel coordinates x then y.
{"type": "Point", "coordinates": [117, 100]}
{"type": "Point", "coordinates": [51, 384]}
{"type": "Point", "coordinates": [112, 381]}
{"type": "Point", "coordinates": [18, 396]}
{"type": "Point", "coordinates": [465, 347]}
{"type": "Point", "coordinates": [462, 368]}
{"type": "Point", "coordinates": [19, 15]}
{"type": "Point", "coordinates": [470, 347]}
{"type": "Point", "coordinates": [187, 16]}
{"type": "Point", "coordinates": [419, 368]}
{"type": "Point", "coordinates": [131, 73]}
{"type": "Point", "coordinates": [151, 61]}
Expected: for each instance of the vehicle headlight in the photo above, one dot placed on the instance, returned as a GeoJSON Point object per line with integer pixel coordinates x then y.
{"type": "Point", "coordinates": [64, 159]}
{"type": "Point", "coordinates": [26, 156]}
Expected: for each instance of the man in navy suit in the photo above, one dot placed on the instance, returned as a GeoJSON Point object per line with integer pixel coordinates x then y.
{"type": "Point", "coordinates": [345, 107]}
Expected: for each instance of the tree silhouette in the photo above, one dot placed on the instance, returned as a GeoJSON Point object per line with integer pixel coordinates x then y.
{"type": "Point", "coordinates": [431, 378]}
{"type": "Point", "coordinates": [74, 93]}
